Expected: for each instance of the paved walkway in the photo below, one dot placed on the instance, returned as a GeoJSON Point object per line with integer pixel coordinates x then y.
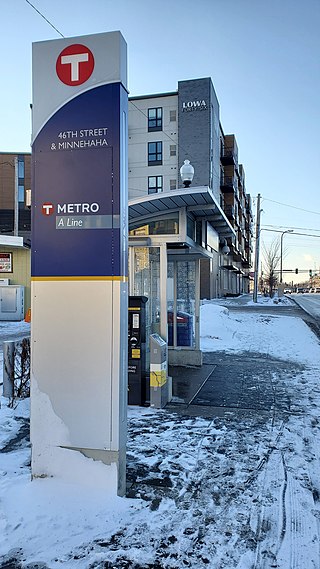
{"type": "Point", "coordinates": [239, 383]}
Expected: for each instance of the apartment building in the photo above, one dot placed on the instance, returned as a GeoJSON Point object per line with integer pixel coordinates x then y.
{"type": "Point", "coordinates": [15, 231]}
{"type": "Point", "coordinates": [165, 130]}
{"type": "Point", "coordinates": [15, 183]}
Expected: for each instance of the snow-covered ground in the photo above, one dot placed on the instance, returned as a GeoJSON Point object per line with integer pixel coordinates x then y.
{"type": "Point", "coordinates": [237, 490]}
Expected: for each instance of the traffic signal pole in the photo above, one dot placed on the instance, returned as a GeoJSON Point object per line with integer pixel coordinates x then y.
{"type": "Point", "coordinates": [257, 252]}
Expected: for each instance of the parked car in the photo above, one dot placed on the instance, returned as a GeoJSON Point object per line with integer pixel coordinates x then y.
{"type": "Point", "coordinates": [287, 291]}
{"type": "Point", "coordinates": [300, 289]}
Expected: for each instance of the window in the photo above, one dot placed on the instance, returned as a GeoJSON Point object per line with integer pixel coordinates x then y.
{"type": "Point", "coordinates": [173, 116]}
{"type": "Point", "coordinates": [20, 194]}
{"type": "Point", "coordinates": [173, 184]}
{"type": "Point", "coordinates": [154, 153]}
{"type": "Point", "coordinates": [167, 225]}
{"type": "Point", "coordinates": [20, 167]}
{"type": "Point", "coordinates": [154, 119]}
{"type": "Point", "coordinates": [191, 228]}
{"type": "Point", "coordinates": [173, 150]}
{"type": "Point", "coordinates": [155, 184]}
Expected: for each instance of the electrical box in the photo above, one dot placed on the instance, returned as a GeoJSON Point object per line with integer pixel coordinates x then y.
{"type": "Point", "coordinates": [4, 282]}
{"type": "Point", "coordinates": [11, 302]}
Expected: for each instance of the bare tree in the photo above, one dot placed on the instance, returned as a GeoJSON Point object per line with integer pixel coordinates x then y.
{"type": "Point", "coordinates": [271, 260]}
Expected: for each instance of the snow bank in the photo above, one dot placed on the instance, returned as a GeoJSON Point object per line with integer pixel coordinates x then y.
{"type": "Point", "coordinates": [283, 337]}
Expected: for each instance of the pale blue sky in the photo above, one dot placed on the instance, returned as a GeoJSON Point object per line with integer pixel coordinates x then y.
{"type": "Point", "coordinates": [263, 58]}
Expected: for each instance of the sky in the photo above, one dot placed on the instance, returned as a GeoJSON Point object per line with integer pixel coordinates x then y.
{"type": "Point", "coordinates": [264, 61]}
{"type": "Point", "coordinates": [238, 488]}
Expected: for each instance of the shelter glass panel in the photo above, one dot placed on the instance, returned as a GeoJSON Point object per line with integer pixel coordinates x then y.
{"type": "Point", "coordinates": [181, 293]}
{"type": "Point", "coordinates": [146, 277]}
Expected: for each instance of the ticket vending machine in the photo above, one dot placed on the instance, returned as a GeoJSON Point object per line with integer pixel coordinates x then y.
{"type": "Point", "coordinates": [138, 386]}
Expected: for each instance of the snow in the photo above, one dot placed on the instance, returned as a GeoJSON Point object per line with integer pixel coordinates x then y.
{"type": "Point", "coordinates": [239, 489]}
{"type": "Point", "coordinates": [267, 334]}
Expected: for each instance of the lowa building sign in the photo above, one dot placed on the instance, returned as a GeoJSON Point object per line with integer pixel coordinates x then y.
{"type": "Point", "coordinates": [195, 106]}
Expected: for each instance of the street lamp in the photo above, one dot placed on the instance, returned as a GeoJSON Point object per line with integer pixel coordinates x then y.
{"type": "Point", "coordinates": [225, 249]}
{"type": "Point", "coordinates": [187, 173]}
{"type": "Point", "coordinates": [281, 245]}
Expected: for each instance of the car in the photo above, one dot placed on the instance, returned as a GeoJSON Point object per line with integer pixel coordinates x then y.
{"type": "Point", "coordinates": [287, 291]}
{"type": "Point", "coordinates": [317, 289]}
{"type": "Point", "coordinates": [300, 289]}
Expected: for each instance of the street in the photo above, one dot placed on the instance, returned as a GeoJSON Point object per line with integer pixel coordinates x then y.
{"type": "Point", "coordinates": [310, 302]}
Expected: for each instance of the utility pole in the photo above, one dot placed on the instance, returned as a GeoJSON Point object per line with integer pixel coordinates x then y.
{"type": "Point", "coordinates": [16, 198]}
{"type": "Point", "coordinates": [257, 251]}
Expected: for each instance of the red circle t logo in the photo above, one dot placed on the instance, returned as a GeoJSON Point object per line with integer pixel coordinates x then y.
{"type": "Point", "coordinates": [75, 64]}
{"type": "Point", "coordinates": [47, 208]}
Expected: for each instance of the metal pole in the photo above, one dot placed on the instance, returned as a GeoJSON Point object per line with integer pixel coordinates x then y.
{"type": "Point", "coordinates": [281, 250]}
{"type": "Point", "coordinates": [281, 245]}
{"type": "Point", "coordinates": [257, 251]}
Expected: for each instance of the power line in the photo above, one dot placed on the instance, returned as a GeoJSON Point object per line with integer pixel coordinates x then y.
{"type": "Point", "coordinates": [292, 206]}
{"type": "Point", "coordinates": [293, 232]}
{"type": "Point", "coordinates": [286, 227]}
{"type": "Point", "coordinates": [46, 19]}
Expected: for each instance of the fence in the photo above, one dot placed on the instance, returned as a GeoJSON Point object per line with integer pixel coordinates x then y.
{"type": "Point", "coordinates": [16, 369]}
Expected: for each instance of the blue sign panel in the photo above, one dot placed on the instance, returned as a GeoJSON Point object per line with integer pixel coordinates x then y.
{"type": "Point", "coordinates": [77, 199]}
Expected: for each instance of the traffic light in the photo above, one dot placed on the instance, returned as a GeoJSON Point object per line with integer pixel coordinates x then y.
{"type": "Point", "coordinates": [310, 272]}
{"type": "Point", "coordinates": [297, 270]}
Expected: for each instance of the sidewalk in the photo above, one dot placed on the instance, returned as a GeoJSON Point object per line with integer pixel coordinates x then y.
{"type": "Point", "coordinates": [218, 385]}
{"type": "Point", "coordinates": [225, 477]}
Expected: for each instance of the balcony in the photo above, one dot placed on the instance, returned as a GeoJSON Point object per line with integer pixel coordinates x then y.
{"type": "Point", "coordinates": [229, 156]}
{"type": "Point", "coordinates": [241, 176]}
{"type": "Point", "coordinates": [229, 184]}
{"type": "Point", "coordinates": [249, 227]}
{"type": "Point", "coordinates": [229, 210]}
{"type": "Point", "coordinates": [229, 150]}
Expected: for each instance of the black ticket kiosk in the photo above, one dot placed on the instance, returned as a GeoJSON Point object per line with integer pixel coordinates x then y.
{"type": "Point", "coordinates": [138, 386]}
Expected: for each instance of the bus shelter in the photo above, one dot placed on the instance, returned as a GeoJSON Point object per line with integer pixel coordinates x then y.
{"type": "Point", "coordinates": [169, 233]}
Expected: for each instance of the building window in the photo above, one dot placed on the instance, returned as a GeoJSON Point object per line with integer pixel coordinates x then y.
{"type": "Point", "coordinates": [155, 184]}
{"type": "Point", "coordinates": [173, 116]}
{"type": "Point", "coordinates": [191, 228]}
{"type": "Point", "coordinates": [21, 194]}
{"type": "Point", "coordinates": [173, 150]}
{"type": "Point", "coordinates": [154, 153]}
{"type": "Point", "coordinates": [154, 119]}
{"type": "Point", "coordinates": [173, 184]}
{"type": "Point", "coordinates": [167, 225]}
{"type": "Point", "coordinates": [20, 167]}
